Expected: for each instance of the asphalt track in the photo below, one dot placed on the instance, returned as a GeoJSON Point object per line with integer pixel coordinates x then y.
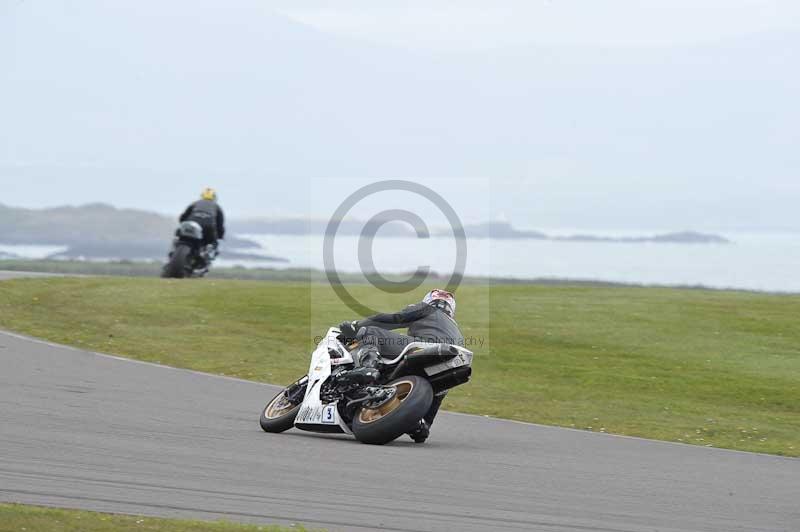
{"type": "Point", "coordinates": [83, 430]}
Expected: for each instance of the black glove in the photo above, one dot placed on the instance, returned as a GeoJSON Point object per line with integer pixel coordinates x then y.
{"type": "Point", "coordinates": [349, 330]}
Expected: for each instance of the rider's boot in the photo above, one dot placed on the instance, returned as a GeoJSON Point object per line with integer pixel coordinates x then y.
{"type": "Point", "coordinates": [434, 409]}
{"type": "Point", "coordinates": [367, 372]}
{"type": "Point", "coordinates": [421, 433]}
{"type": "Point", "coordinates": [423, 430]}
{"type": "Point", "coordinates": [359, 376]}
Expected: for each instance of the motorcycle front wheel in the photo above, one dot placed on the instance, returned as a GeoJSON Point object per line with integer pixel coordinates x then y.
{"type": "Point", "coordinates": [279, 414]}
{"type": "Point", "coordinates": [398, 416]}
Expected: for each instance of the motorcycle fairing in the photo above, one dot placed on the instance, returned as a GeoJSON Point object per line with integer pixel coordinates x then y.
{"type": "Point", "coordinates": [314, 415]}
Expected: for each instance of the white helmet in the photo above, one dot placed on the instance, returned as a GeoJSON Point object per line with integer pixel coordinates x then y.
{"type": "Point", "coordinates": [441, 299]}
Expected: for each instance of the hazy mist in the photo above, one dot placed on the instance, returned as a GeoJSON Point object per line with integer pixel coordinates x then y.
{"type": "Point", "coordinates": [141, 104]}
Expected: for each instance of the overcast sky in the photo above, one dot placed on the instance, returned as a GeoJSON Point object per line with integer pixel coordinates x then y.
{"type": "Point", "coordinates": [586, 114]}
{"type": "Point", "coordinates": [482, 24]}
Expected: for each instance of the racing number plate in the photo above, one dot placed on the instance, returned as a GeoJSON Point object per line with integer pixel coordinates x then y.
{"type": "Point", "coordinates": [325, 414]}
{"type": "Point", "coordinates": [329, 414]}
{"type": "Point", "coordinates": [458, 360]}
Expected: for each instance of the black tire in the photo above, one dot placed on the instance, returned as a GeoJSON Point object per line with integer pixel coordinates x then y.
{"type": "Point", "coordinates": [178, 266]}
{"type": "Point", "coordinates": [275, 419]}
{"type": "Point", "coordinates": [399, 416]}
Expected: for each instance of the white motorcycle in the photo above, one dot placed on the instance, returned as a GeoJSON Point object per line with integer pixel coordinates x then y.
{"type": "Point", "coordinates": [376, 413]}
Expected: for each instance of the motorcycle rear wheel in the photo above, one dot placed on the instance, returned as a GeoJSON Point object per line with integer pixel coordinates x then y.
{"type": "Point", "coordinates": [400, 415]}
{"type": "Point", "coordinates": [178, 266]}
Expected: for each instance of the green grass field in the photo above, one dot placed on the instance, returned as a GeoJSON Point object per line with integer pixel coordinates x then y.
{"type": "Point", "coordinates": [694, 366]}
{"type": "Point", "coordinates": [21, 518]}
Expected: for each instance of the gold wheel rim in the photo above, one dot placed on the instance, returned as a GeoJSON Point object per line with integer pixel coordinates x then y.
{"type": "Point", "coordinates": [371, 415]}
{"type": "Point", "coordinates": [278, 407]}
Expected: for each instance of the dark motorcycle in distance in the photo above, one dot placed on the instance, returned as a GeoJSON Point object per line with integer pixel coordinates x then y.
{"type": "Point", "coordinates": [189, 257]}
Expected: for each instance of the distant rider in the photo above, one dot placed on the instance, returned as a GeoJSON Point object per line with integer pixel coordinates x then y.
{"type": "Point", "coordinates": [432, 320]}
{"type": "Point", "coordinates": [207, 212]}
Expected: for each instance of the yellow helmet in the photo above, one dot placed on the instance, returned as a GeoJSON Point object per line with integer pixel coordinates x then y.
{"type": "Point", "coordinates": [209, 194]}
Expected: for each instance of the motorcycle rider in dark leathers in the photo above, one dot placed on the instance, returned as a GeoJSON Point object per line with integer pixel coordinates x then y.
{"type": "Point", "coordinates": [431, 320]}
{"type": "Point", "coordinates": [207, 212]}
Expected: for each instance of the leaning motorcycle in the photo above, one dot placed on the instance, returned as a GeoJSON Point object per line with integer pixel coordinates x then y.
{"type": "Point", "coordinates": [376, 413]}
{"type": "Point", "coordinates": [189, 257]}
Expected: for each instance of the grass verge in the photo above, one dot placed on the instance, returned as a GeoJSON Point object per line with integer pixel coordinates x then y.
{"type": "Point", "coordinates": [23, 518]}
{"type": "Point", "coordinates": [702, 367]}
